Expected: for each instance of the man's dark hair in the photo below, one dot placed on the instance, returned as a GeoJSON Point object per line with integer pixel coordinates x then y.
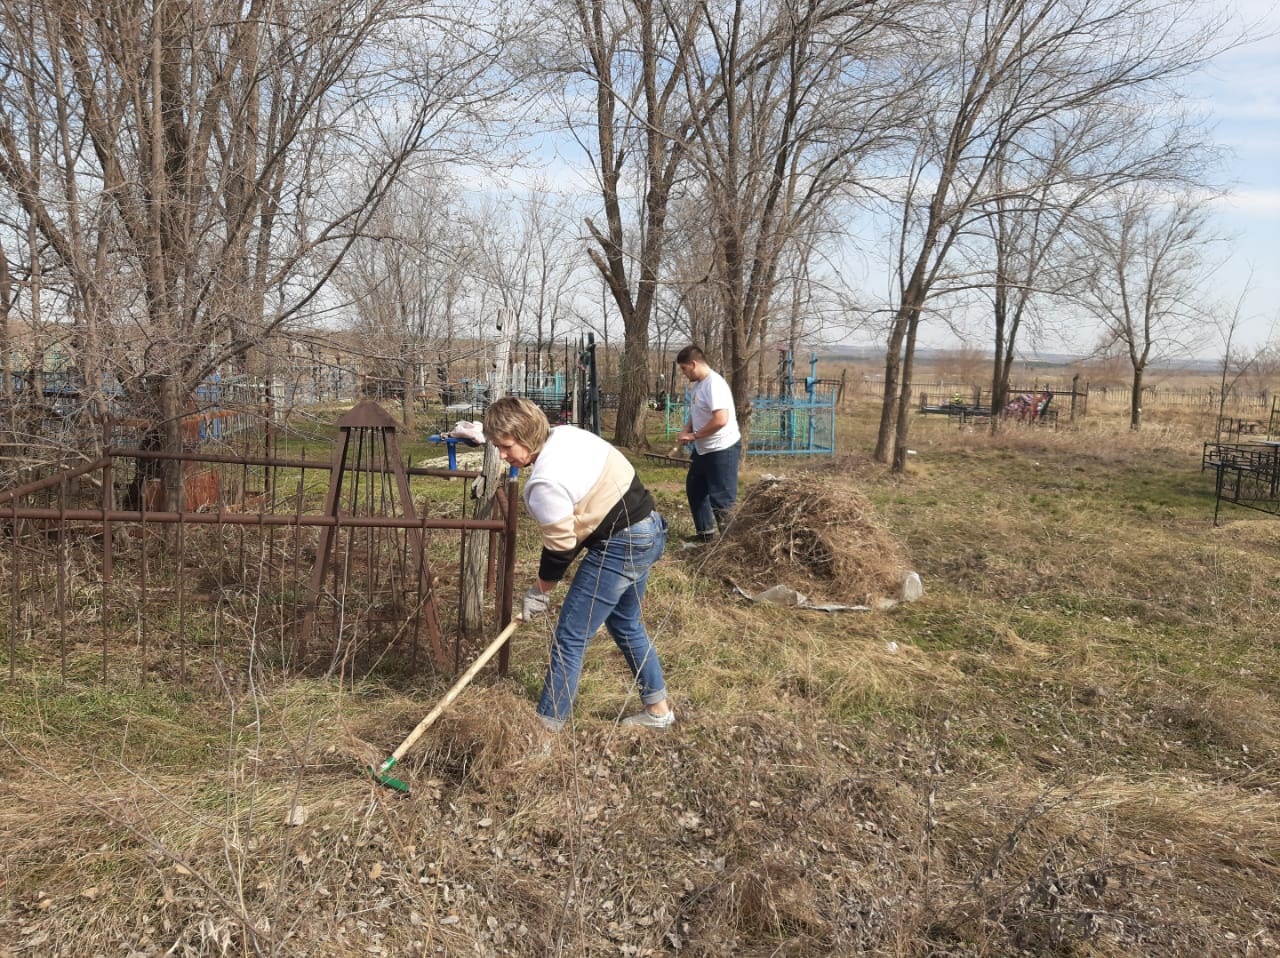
{"type": "Point", "coordinates": [690, 354]}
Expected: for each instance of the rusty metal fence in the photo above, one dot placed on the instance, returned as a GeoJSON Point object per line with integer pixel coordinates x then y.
{"type": "Point", "coordinates": [344, 567]}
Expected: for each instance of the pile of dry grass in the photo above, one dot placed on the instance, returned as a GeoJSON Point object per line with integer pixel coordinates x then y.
{"type": "Point", "coordinates": [814, 535]}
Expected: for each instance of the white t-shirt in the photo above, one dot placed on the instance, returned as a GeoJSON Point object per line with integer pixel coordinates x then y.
{"type": "Point", "coordinates": [705, 397]}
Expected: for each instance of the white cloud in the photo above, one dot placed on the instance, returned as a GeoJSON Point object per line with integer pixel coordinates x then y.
{"type": "Point", "coordinates": [1254, 203]}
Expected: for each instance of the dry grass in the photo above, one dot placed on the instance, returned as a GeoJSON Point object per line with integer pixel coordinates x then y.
{"type": "Point", "coordinates": [1068, 747]}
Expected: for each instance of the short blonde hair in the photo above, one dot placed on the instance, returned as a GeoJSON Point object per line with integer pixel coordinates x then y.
{"type": "Point", "coordinates": [518, 419]}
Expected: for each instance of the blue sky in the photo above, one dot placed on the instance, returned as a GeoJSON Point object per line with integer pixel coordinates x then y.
{"type": "Point", "coordinates": [1239, 95]}
{"type": "Point", "coordinates": [1241, 92]}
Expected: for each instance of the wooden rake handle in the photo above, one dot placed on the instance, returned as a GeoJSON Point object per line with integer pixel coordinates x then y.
{"type": "Point", "coordinates": [463, 681]}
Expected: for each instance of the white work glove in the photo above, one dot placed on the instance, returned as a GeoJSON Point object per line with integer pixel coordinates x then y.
{"type": "Point", "coordinates": [535, 603]}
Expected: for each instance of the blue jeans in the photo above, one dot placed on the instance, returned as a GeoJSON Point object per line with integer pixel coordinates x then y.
{"type": "Point", "coordinates": [606, 590]}
{"type": "Point", "coordinates": [712, 487]}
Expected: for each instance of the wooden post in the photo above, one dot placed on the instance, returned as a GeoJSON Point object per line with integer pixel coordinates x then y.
{"type": "Point", "coordinates": [471, 607]}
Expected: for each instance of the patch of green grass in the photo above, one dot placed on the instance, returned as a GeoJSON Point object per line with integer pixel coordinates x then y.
{"type": "Point", "coordinates": [163, 724]}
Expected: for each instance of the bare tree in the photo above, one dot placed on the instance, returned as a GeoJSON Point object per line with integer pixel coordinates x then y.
{"type": "Point", "coordinates": [1149, 250]}
{"type": "Point", "coordinates": [1026, 233]}
{"type": "Point", "coordinates": [1260, 363]}
{"type": "Point", "coordinates": [808, 301]}
{"type": "Point", "coordinates": [775, 104]}
{"type": "Point", "coordinates": [404, 280]}
{"type": "Point", "coordinates": [796, 96]}
{"type": "Point", "coordinates": [8, 429]}
{"type": "Point", "coordinates": [691, 301]}
{"type": "Point", "coordinates": [527, 255]}
{"type": "Point", "coordinates": [189, 163]}
{"type": "Point", "coordinates": [1039, 195]}
{"type": "Point", "coordinates": [628, 58]}
{"type": "Point", "coordinates": [1237, 361]}
{"type": "Point", "coordinates": [1001, 75]}
{"type": "Point", "coordinates": [555, 275]}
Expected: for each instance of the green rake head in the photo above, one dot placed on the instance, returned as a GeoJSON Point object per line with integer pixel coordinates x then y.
{"type": "Point", "coordinates": [390, 781]}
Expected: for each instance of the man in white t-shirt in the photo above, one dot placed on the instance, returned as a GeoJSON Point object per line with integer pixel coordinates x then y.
{"type": "Point", "coordinates": [712, 427]}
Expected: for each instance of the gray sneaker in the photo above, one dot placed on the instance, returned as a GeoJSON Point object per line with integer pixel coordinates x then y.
{"type": "Point", "coordinates": [551, 724]}
{"type": "Point", "coordinates": [648, 720]}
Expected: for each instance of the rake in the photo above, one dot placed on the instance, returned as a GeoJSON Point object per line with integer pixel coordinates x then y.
{"type": "Point", "coordinates": [380, 773]}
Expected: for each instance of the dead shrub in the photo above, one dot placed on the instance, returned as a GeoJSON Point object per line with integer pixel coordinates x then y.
{"type": "Point", "coordinates": [819, 537]}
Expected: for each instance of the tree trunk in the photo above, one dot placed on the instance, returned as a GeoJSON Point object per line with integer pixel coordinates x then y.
{"type": "Point", "coordinates": [1135, 399]}
{"type": "Point", "coordinates": [409, 385]}
{"type": "Point", "coordinates": [172, 408]}
{"type": "Point", "coordinates": [633, 390]}
{"type": "Point", "coordinates": [6, 374]}
{"type": "Point", "coordinates": [889, 395]}
{"type": "Point", "coordinates": [1003, 348]}
{"type": "Point", "coordinates": [897, 382]}
{"type": "Point", "coordinates": [904, 398]}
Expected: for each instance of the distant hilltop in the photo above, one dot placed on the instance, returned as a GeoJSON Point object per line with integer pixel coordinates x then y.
{"type": "Point", "coordinates": [865, 353]}
{"type": "Point", "coordinates": [837, 353]}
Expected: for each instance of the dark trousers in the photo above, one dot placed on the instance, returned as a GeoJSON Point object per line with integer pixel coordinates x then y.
{"type": "Point", "coordinates": [712, 487]}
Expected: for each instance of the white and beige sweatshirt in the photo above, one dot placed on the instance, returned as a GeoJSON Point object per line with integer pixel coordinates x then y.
{"type": "Point", "coordinates": [580, 491]}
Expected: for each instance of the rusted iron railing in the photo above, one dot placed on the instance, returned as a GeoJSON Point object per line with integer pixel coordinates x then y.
{"type": "Point", "coordinates": [95, 570]}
